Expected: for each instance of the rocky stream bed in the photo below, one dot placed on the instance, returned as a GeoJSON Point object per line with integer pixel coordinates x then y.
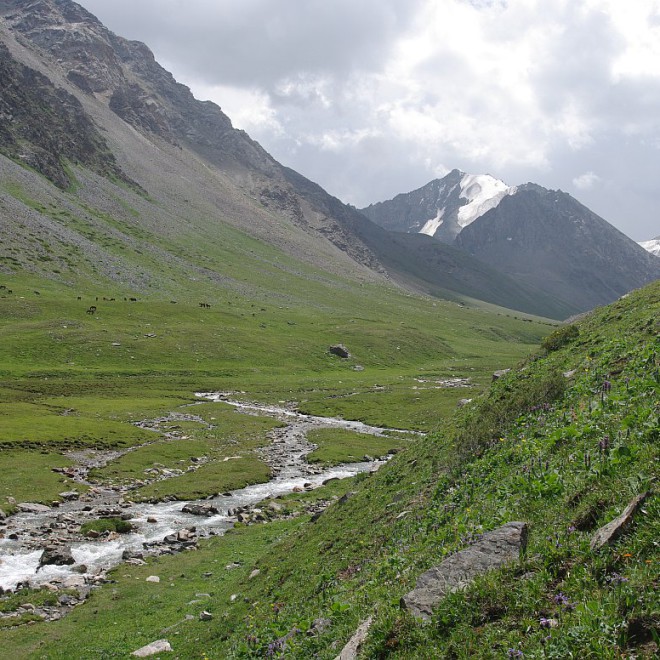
{"type": "Point", "coordinates": [42, 546]}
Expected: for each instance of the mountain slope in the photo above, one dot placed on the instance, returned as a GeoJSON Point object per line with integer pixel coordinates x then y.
{"type": "Point", "coordinates": [550, 240]}
{"type": "Point", "coordinates": [544, 238]}
{"type": "Point", "coordinates": [163, 182]}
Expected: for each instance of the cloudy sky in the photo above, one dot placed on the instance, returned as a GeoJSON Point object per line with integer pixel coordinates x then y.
{"type": "Point", "coordinates": [371, 98]}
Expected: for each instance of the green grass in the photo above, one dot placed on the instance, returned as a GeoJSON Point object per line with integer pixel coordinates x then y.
{"type": "Point", "coordinates": [106, 525]}
{"type": "Point", "coordinates": [27, 476]}
{"type": "Point", "coordinates": [539, 461]}
{"type": "Point", "coordinates": [337, 446]}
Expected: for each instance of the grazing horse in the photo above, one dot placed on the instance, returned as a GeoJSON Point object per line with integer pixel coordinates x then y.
{"type": "Point", "coordinates": [92, 309]}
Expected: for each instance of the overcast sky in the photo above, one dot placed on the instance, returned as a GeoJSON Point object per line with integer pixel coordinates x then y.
{"type": "Point", "coordinates": [371, 98]}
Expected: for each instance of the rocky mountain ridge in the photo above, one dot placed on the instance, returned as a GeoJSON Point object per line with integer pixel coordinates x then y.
{"type": "Point", "coordinates": [652, 246]}
{"type": "Point", "coordinates": [541, 237]}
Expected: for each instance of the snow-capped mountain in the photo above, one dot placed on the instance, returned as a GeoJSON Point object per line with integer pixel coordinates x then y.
{"type": "Point", "coordinates": [443, 207]}
{"type": "Point", "coordinates": [542, 237]}
{"type": "Point", "coordinates": [652, 246]}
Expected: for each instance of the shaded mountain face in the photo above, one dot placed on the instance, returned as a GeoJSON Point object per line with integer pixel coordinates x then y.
{"type": "Point", "coordinates": [550, 240]}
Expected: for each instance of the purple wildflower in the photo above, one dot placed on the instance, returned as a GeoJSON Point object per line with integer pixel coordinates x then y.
{"type": "Point", "coordinates": [515, 653]}
{"type": "Point", "coordinates": [607, 386]}
{"type": "Point", "coordinates": [615, 578]}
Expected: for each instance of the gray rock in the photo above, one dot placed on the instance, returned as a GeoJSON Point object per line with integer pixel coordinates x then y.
{"type": "Point", "coordinates": [56, 555]}
{"type": "Point", "coordinates": [495, 549]}
{"type": "Point", "coordinates": [610, 532]}
{"type": "Point", "coordinates": [159, 646]}
{"type": "Point", "coordinates": [32, 507]}
{"type": "Point", "coordinates": [205, 616]}
{"type": "Point", "coordinates": [318, 627]}
{"type": "Point", "coordinates": [201, 509]}
{"type": "Point", "coordinates": [352, 648]}
{"type": "Point", "coordinates": [340, 351]}
{"type": "Point", "coordinates": [70, 495]}
{"type": "Point", "coordinates": [498, 374]}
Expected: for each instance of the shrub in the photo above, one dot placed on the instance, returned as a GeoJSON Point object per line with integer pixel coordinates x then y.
{"type": "Point", "coordinates": [560, 337]}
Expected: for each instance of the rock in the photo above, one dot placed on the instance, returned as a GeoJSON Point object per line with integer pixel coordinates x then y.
{"type": "Point", "coordinates": [153, 578]}
{"type": "Point", "coordinates": [254, 574]}
{"type": "Point", "coordinates": [498, 374]}
{"type": "Point", "coordinates": [205, 616]}
{"type": "Point", "coordinates": [570, 374]}
{"type": "Point", "coordinates": [151, 519]}
{"type": "Point", "coordinates": [200, 509]}
{"type": "Point", "coordinates": [340, 351]}
{"type": "Point", "coordinates": [352, 648]}
{"type": "Point", "coordinates": [345, 497]}
{"type": "Point", "coordinates": [319, 626]}
{"type": "Point", "coordinates": [73, 582]}
{"type": "Point", "coordinates": [493, 550]}
{"type": "Point", "coordinates": [56, 555]}
{"type": "Point", "coordinates": [610, 532]}
{"type": "Point", "coordinates": [31, 507]}
{"type": "Point", "coordinates": [70, 495]}
{"type": "Point", "coordinates": [93, 534]}
{"type": "Point", "coordinates": [159, 646]}
{"type": "Point", "coordinates": [463, 402]}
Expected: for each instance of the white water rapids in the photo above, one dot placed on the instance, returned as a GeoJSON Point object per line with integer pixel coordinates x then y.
{"type": "Point", "coordinates": [20, 555]}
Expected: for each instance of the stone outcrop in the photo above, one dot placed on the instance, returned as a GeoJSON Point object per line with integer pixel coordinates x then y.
{"type": "Point", "coordinates": [352, 648]}
{"type": "Point", "coordinates": [340, 351]}
{"type": "Point", "coordinates": [57, 555]}
{"type": "Point", "coordinates": [495, 549]}
{"type": "Point", "coordinates": [610, 532]}
{"type": "Point", "coordinates": [159, 646]}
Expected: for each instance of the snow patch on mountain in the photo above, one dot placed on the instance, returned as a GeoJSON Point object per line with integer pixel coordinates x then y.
{"type": "Point", "coordinates": [432, 225]}
{"type": "Point", "coordinates": [483, 193]}
{"type": "Point", "coordinates": [653, 246]}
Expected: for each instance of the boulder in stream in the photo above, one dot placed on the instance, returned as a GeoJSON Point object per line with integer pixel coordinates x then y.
{"type": "Point", "coordinates": [200, 509]}
{"type": "Point", "coordinates": [56, 555]}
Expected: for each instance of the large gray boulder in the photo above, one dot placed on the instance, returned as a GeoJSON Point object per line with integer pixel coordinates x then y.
{"type": "Point", "coordinates": [495, 549]}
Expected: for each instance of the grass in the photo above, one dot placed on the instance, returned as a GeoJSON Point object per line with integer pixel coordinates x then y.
{"type": "Point", "coordinates": [541, 461]}
{"type": "Point", "coordinates": [27, 476]}
{"type": "Point", "coordinates": [337, 446]}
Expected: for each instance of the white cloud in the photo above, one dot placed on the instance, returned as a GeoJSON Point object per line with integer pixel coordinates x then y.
{"type": "Point", "coordinates": [586, 181]}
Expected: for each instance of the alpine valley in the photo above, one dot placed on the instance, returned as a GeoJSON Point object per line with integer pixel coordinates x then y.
{"type": "Point", "coordinates": [240, 418]}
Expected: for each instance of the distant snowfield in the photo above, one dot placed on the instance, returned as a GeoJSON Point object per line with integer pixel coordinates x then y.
{"type": "Point", "coordinates": [479, 192]}
{"type": "Point", "coordinates": [652, 246]}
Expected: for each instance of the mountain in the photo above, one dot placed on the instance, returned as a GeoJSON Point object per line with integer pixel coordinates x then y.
{"type": "Point", "coordinates": [441, 208]}
{"type": "Point", "coordinates": [544, 238]}
{"type": "Point", "coordinates": [113, 172]}
{"type": "Point", "coordinates": [548, 239]}
{"type": "Point", "coordinates": [652, 246]}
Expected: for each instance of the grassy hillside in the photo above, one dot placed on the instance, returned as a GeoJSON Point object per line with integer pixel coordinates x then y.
{"type": "Point", "coordinates": [565, 453]}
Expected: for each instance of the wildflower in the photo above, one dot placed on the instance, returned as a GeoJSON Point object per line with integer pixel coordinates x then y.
{"type": "Point", "coordinates": [548, 623]}
{"type": "Point", "coordinates": [515, 653]}
{"type": "Point", "coordinates": [561, 600]}
{"type": "Point", "coordinates": [607, 386]}
{"type": "Point", "coordinates": [615, 578]}
{"type": "Point", "coordinates": [627, 555]}
{"type": "Point", "coordinates": [604, 444]}
{"type": "Point", "coordinates": [572, 529]}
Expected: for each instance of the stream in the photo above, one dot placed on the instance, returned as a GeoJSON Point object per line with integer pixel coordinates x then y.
{"type": "Point", "coordinates": [25, 534]}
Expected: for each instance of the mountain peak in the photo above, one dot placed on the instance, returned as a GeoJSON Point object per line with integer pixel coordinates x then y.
{"type": "Point", "coordinates": [443, 207]}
